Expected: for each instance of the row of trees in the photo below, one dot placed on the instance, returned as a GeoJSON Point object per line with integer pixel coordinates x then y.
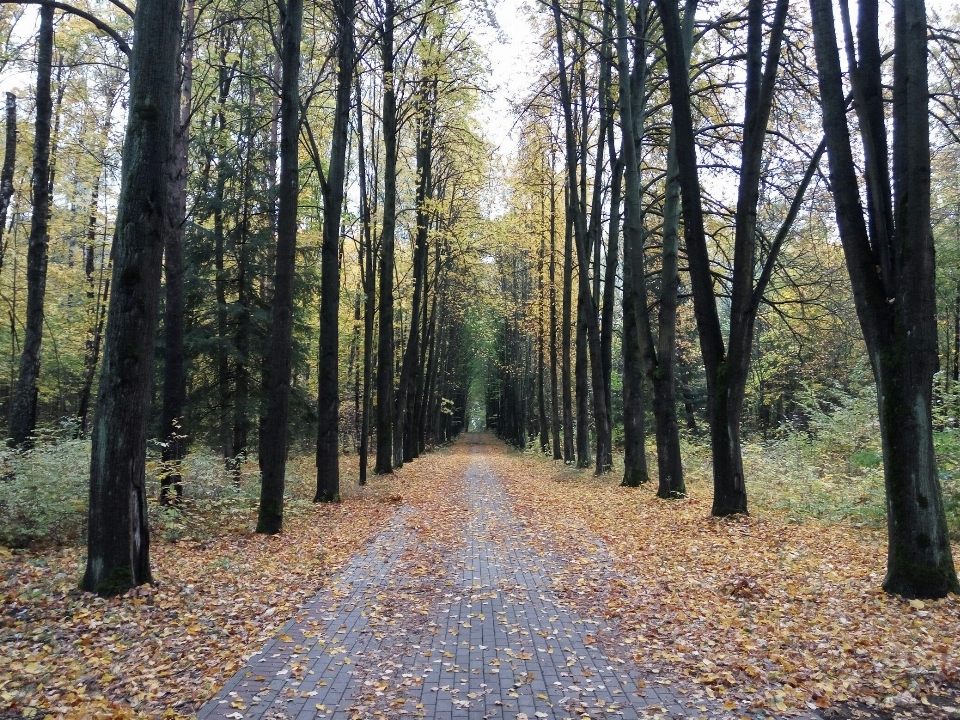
{"type": "Point", "coordinates": [668, 184]}
{"type": "Point", "coordinates": [703, 122]}
{"type": "Point", "coordinates": [275, 158]}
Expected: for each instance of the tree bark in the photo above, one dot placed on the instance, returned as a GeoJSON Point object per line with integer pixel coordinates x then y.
{"type": "Point", "coordinates": [368, 276]}
{"type": "Point", "coordinates": [385, 393]}
{"type": "Point", "coordinates": [9, 163]}
{"type": "Point", "coordinates": [892, 273]}
{"type": "Point", "coordinates": [328, 401]}
{"type": "Point", "coordinates": [273, 437]}
{"type": "Point", "coordinates": [173, 431]}
{"type": "Point", "coordinates": [23, 404]}
{"type": "Point", "coordinates": [569, 452]}
{"type": "Point", "coordinates": [118, 536]}
{"type": "Point", "coordinates": [554, 396]}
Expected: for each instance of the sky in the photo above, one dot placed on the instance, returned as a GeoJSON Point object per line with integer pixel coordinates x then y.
{"type": "Point", "coordinates": [512, 52]}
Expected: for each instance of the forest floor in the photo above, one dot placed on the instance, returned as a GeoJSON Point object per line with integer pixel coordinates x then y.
{"type": "Point", "coordinates": [761, 616]}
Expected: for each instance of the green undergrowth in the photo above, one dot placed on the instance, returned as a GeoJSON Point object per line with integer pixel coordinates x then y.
{"type": "Point", "coordinates": [44, 494]}
{"type": "Point", "coordinates": [832, 469]}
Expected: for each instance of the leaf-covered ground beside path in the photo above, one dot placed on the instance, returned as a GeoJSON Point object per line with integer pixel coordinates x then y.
{"type": "Point", "coordinates": [166, 649]}
{"type": "Point", "coordinates": [769, 614]}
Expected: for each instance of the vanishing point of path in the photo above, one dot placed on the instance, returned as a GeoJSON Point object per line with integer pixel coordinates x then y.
{"type": "Point", "coordinates": [448, 614]}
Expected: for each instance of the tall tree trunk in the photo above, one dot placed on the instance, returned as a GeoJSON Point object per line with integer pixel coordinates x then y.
{"type": "Point", "coordinates": [368, 276]}
{"type": "Point", "coordinates": [174, 376]}
{"type": "Point", "coordinates": [23, 404]}
{"type": "Point", "coordinates": [587, 314]}
{"type": "Point", "coordinates": [554, 396]}
{"type": "Point", "coordinates": [385, 394]}
{"type": "Point", "coordinates": [118, 537]}
{"type": "Point", "coordinates": [657, 357]}
{"type": "Point", "coordinates": [9, 163]}
{"type": "Point", "coordinates": [403, 446]}
{"type": "Point", "coordinates": [273, 436]}
{"type": "Point", "coordinates": [582, 373]}
{"type": "Point", "coordinates": [541, 398]}
{"type": "Point", "coordinates": [328, 403]}
{"type": "Point", "coordinates": [726, 369]}
{"type": "Point", "coordinates": [569, 452]}
{"type": "Point", "coordinates": [890, 261]}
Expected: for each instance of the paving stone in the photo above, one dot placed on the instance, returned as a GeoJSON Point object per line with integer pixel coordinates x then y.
{"type": "Point", "coordinates": [495, 641]}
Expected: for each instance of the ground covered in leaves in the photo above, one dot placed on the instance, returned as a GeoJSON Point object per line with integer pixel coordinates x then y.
{"type": "Point", "coordinates": [768, 613]}
{"type": "Point", "coordinates": [163, 650]}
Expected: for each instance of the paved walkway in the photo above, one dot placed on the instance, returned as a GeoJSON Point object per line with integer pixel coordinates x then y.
{"type": "Point", "coordinates": [468, 631]}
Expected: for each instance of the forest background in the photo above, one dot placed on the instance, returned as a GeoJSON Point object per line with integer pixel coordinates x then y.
{"type": "Point", "coordinates": [486, 282]}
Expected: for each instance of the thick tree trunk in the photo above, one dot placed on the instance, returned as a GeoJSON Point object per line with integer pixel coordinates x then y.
{"type": "Point", "coordinates": [635, 472]}
{"type": "Point", "coordinates": [273, 436]}
{"type": "Point", "coordinates": [23, 404]}
{"type": "Point", "coordinates": [328, 402]}
{"type": "Point", "coordinates": [891, 268]}
{"type": "Point", "coordinates": [118, 537]}
{"type": "Point", "coordinates": [173, 431]}
{"type": "Point", "coordinates": [385, 393]}
{"type": "Point", "coordinates": [554, 396]}
{"type": "Point", "coordinates": [663, 380]}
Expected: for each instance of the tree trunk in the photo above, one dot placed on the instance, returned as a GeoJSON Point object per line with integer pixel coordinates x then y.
{"type": "Point", "coordinates": [118, 537]}
{"type": "Point", "coordinates": [569, 452]}
{"type": "Point", "coordinates": [587, 312]}
{"type": "Point", "coordinates": [554, 396]}
{"type": "Point", "coordinates": [403, 435]}
{"type": "Point", "coordinates": [173, 431]}
{"type": "Point", "coordinates": [892, 273]}
{"type": "Point", "coordinates": [9, 163]}
{"type": "Point", "coordinates": [273, 436]}
{"type": "Point", "coordinates": [328, 403]}
{"type": "Point", "coordinates": [23, 404]}
{"type": "Point", "coordinates": [541, 398]}
{"type": "Point", "coordinates": [385, 394]}
{"type": "Point", "coordinates": [368, 276]}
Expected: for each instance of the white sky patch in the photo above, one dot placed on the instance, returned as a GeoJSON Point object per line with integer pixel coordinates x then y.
{"type": "Point", "coordinates": [513, 64]}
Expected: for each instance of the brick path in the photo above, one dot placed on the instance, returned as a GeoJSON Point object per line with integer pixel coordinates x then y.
{"type": "Point", "coordinates": [478, 633]}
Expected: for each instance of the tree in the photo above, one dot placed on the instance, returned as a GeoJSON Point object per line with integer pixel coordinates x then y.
{"type": "Point", "coordinates": [9, 161]}
{"type": "Point", "coordinates": [385, 349]}
{"type": "Point", "coordinates": [118, 535]}
{"type": "Point", "coordinates": [727, 362]}
{"type": "Point", "coordinates": [273, 433]}
{"type": "Point", "coordinates": [328, 402]}
{"type": "Point", "coordinates": [23, 406]}
{"type": "Point", "coordinates": [174, 380]}
{"type": "Point", "coordinates": [890, 260]}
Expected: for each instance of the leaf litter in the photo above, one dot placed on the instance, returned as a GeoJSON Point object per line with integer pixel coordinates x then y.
{"type": "Point", "coordinates": [762, 615]}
